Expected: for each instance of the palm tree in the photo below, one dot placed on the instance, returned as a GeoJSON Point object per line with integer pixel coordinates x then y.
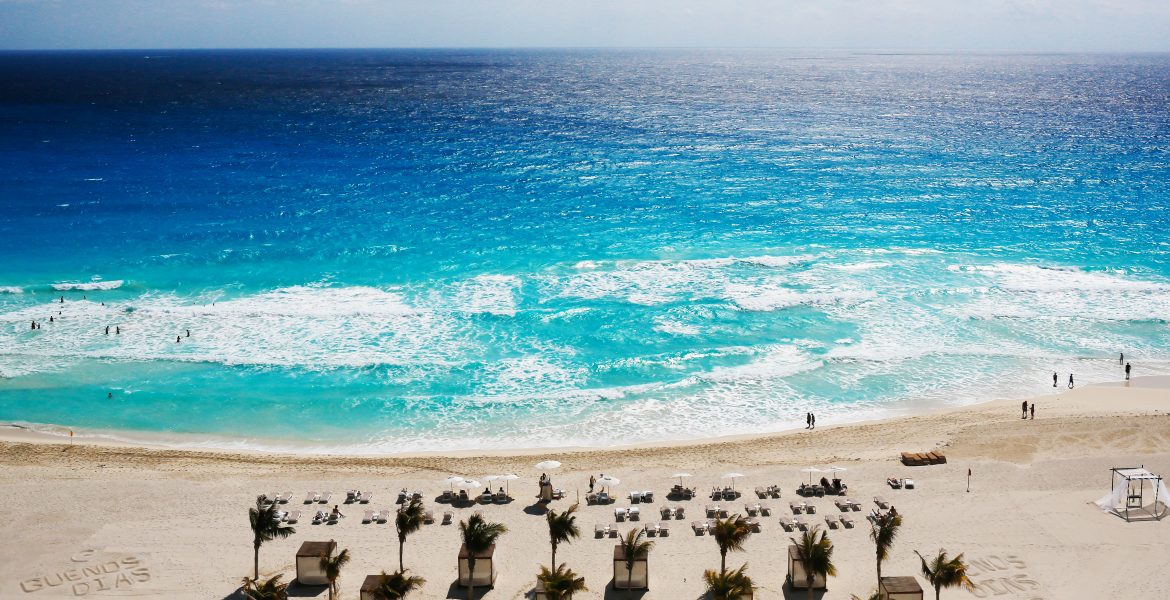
{"type": "Point", "coordinates": [562, 528]}
{"type": "Point", "coordinates": [731, 534]}
{"type": "Point", "coordinates": [408, 520]}
{"type": "Point", "coordinates": [478, 535]}
{"type": "Point", "coordinates": [635, 546]}
{"type": "Point", "coordinates": [728, 585]}
{"type": "Point", "coordinates": [332, 566]}
{"type": "Point", "coordinates": [561, 583]}
{"type": "Point", "coordinates": [882, 531]}
{"type": "Point", "coordinates": [266, 526]}
{"type": "Point", "coordinates": [943, 572]}
{"type": "Point", "coordinates": [816, 553]}
{"type": "Point", "coordinates": [272, 589]}
{"type": "Point", "coordinates": [397, 585]}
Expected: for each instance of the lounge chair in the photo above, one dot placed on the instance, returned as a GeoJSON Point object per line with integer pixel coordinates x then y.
{"type": "Point", "coordinates": [619, 514]}
{"type": "Point", "coordinates": [292, 517]}
{"type": "Point", "coordinates": [678, 513]}
{"type": "Point", "coordinates": [753, 523]}
{"type": "Point", "coordinates": [847, 521]}
{"type": "Point", "coordinates": [843, 504]}
{"type": "Point", "coordinates": [319, 517]}
{"type": "Point", "coordinates": [751, 509]}
{"type": "Point", "coordinates": [448, 516]}
{"type": "Point", "coordinates": [383, 515]}
{"type": "Point", "coordinates": [367, 516]}
{"type": "Point", "coordinates": [908, 483]}
{"type": "Point", "coordinates": [447, 496]}
{"type": "Point", "coordinates": [765, 510]}
{"type": "Point", "coordinates": [325, 497]}
{"type": "Point", "coordinates": [797, 507]}
{"type": "Point", "coordinates": [311, 497]}
{"type": "Point", "coordinates": [500, 498]}
{"type": "Point", "coordinates": [855, 505]}
{"type": "Point", "coordinates": [429, 517]}
{"type": "Point", "coordinates": [810, 508]}
{"type": "Point", "coordinates": [800, 522]}
{"type": "Point", "coordinates": [352, 496]}
{"type": "Point", "coordinates": [881, 502]}
{"type": "Point", "coordinates": [666, 512]}
{"type": "Point", "coordinates": [600, 530]}
{"type": "Point", "coordinates": [635, 497]}
{"type": "Point", "coordinates": [700, 527]}
{"type": "Point", "coordinates": [647, 496]}
{"type": "Point", "coordinates": [832, 521]}
{"type": "Point", "coordinates": [663, 529]}
{"type": "Point", "coordinates": [633, 514]}
{"type": "Point", "coordinates": [651, 529]}
{"type": "Point", "coordinates": [761, 492]}
{"type": "Point", "coordinates": [712, 510]}
{"type": "Point", "coordinates": [787, 523]}
{"type": "Point", "coordinates": [366, 497]}
{"type": "Point", "coordinates": [894, 482]}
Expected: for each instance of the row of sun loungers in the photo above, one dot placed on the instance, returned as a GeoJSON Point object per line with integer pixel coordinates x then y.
{"type": "Point", "coordinates": [357, 497]}
{"type": "Point", "coordinates": [671, 512]}
{"type": "Point", "coordinates": [772, 491]}
{"type": "Point", "coordinates": [636, 497]}
{"type": "Point", "coordinates": [702, 527]}
{"type": "Point", "coordinates": [314, 497]}
{"type": "Point", "coordinates": [632, 513]}
{"type": "Point", "coordinates": [918, 459]}
{"type": "Point", "coordinates": [799, 522]}
{"type": "Point", "coordinates": [679, 492]}
{"type": "Point", "coordinates": [724, 494]}
{"type": "Point", "coordinates": [846, 504]}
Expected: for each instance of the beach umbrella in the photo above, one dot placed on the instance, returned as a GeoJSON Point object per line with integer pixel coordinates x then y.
{"type": "Point", "coordinates": [810, 471]}
{"type": "Point", "coordinates": [508, 478]}
{"type": "Point", "coordinates": [836, 469]}
{"type": "Point", "coordinates": [732, 477]}
{"type": "Point", "coordinates": [454, 480]}
{"type": "Point", "coordinates": [608, 480]}
{"type": "Point", "coordinates": [680, 476]}
{"type": "Point", "coordinates": [469, 484]}
{"type": "Point", "coordinates": [545, 465]}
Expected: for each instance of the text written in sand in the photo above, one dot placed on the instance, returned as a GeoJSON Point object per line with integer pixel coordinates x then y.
{"type": "Point", "coordinates": [95, 574]}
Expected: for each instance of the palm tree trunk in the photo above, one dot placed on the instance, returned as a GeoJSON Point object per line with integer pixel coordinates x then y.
{"type": "Point", "coordinates": [722, 560]}
{"type": "Point", "coordinates": [401, 545]}
{"type": "Point", "coordinates": [879, 571]}
{"type": "Point", "coordinates": [812, 579]}
{"type": "Point", "coordinates": [937, 589]}
{"type": "Point", "coordinates": [256, 562]}
{"type": "Point", "coordinates": [331, 586]}
{"type": "Point", "coordinates": [554, 558]}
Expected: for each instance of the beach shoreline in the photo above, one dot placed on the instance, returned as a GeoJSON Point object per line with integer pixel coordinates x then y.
{"type": "Point", "coordinates": [59, 434]}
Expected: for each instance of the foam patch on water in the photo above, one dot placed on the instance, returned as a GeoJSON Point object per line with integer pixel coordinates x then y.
{"type": "Point", "coordinates": [88, 286]}
{"type": "Point", "coordinates": [11, 289]}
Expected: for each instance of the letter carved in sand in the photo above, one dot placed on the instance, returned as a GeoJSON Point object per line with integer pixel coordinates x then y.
{"type": "Point", "coordinates": [1002, 576]}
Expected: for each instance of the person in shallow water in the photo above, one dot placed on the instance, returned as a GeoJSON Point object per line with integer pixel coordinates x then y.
{"type": "Point", "coordinates": [1054, 378]}
{"type": "Point", "coordinates": [1070, 381]}
{"type": "Point", "coordinates": [1127, 367]}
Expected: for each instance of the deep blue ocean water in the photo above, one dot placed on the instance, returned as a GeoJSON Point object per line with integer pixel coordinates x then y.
{"type": "Point", "coordinates": [383, 251]}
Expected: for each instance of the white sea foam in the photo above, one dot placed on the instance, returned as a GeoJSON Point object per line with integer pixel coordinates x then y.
{"type": "Point", "coordinates": [769, 297]}
{"type": "Point", "coordinates": [489, 294]}
{"type": "Point", "coordinates": [11, 289]}
{"type": "Point", "coordinates": [89, 286]}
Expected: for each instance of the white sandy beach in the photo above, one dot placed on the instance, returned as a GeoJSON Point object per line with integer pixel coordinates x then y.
{"type": "Point", "coordinates": [160, 523]}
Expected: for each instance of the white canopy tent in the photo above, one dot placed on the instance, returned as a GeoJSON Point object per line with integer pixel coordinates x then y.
{"type": "Point", "coordinates": [1128, 493]}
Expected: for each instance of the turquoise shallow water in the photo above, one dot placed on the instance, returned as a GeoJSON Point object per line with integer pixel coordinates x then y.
{"type": "Point", "coordinates": [408, 250]}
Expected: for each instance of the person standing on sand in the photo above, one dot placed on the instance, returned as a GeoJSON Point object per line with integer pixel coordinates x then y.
{"type": "Point", "coordinates": [1127, 367]}
{"type": "Point", "coordinates": [812, 423]}
{"type": "Point", "coordinates": [1070, 381]}
{"type": "Point", "coordinates": [1024, 410]}
{"type": "Point", "coordinates": [807, 420]}
{"type": "Point", "coordinates": [1033, 411]}
{"type": "Point", "coordinates": [592, 482]}
{"type": "Point", "coordinates": [1054, 379]}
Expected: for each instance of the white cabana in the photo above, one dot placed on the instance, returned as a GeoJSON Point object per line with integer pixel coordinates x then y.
{"type": "Point", "coordinates": [1128, 492]}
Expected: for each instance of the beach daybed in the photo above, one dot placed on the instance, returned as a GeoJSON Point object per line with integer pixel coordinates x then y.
{"type": "Point", "coordinates": [796, 573]}
{"type": "Point", "coordinates": [309, 571]}
{"type": "Point", "coordinates": [636, 579]}
{"type": "Point", "coordinates": [485, 569]}
{"type": "Point", "coordinates": [900, 588]}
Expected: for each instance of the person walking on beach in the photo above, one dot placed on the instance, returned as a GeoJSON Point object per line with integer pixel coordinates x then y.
{"type": "Point", "coordinates": [812, 422]}
{"type": "Point", "coordinates": [1054, 378]}
{"type": "Point", "coordinates": [1127, 368]}
{"type": "Point", "coordinates": [1024, 410]}
{"type": "Point", "coordinates": [1070, 381]}
{"type": "Point", "coordinates": [1033, 411]}
{"type": "Point", "coordinates": [808, 420]}
{"type": "Point", "coordinates": [592, 482]}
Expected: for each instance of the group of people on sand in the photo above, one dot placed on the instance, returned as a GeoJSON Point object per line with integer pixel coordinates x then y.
{"type": "Point", "coordinates": [810, 420]}
{"type": "Point", "coordinates": [1025, 409]}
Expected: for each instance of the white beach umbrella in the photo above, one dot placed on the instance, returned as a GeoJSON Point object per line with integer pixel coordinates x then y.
{"type": "Point", "coordinates": [454, 480]}
{"type": "Point", "coordinates": [732, 477]}
{"type": "Point", "coordinates": [546, 465]}
{"type": "Point", "coordinates": [680, 476]}
{"type": "Point", "coordinates": [836, 469]}
{"type": "Point", "coordinates": [810, 471]}
{"type": "Point", "coordinates": [608, 480]}
{"type": "Point", "coordinates": [469, 484]}
{"type": "Point", "coordinates": [507, 478]}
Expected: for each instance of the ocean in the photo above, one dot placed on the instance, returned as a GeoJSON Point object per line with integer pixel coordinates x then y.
{"type": "Point", "coordinates": [395, 251]}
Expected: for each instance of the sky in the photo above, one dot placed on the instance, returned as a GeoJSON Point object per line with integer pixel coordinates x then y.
{"type": "Point", "coordinates": [1026, 25]}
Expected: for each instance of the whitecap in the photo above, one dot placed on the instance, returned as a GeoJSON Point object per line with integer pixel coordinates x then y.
{"type": "Point", "coordinates": [89, 286]}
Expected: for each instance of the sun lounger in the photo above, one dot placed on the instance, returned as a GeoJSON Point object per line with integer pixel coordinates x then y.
{"type": "Point", "coordinates": [855, 505]}
{"type": "Point", "coordinates": [663, 529]}
{"type": "Point", "coordinates": [810, 508]}
{"type": "Point", "coordinates": [351, 496]}
{"type": "Point", "coordinates": [448, 516]}
{"type": "Point", "coordinates": [633, 514]}
{"type": "Point", "coordinates": [319, 517]}
{"type": "Point", "coordinates": [761, 492]}
{"type": "Point", "coordinates": [284, 498]}
{"type": "Point", "coordinates": [881, 502]}
{"type": "Point", "coordinates": [846, 520]}
{"type": "Point", "coordinates": [447, 496]}
{"type": "Point", "coordinates": [797, 507]}
{"type": "Point", "coordinates": [712, 510]}
{"type": "Point", "coordinates": [619, 514]}
{"type": "Point", "coordinates": [367, 516]}
{"type": "Point", "coordinates": [635, 497]}
{"type": "Point", "coordinates": [700, 527]}
{"type": "Point", "coordinates": [292, 517]}
{"type": "Point", "coordinates": [678, 513]}
{"type": "Point", "coordinates": [383, 515]}
{"type": "Point", "coordinates": [647, 496]}
{"type": "Point", "coordinates": [751, 509]}
{"type": "Point", "coordinates": [800, 522]}
{"type": "Point", "coordinates": [832, 521]}
{"type": "Point", "coordinates": [366, 497]}
{"type": "Point", "coordinates": [894, 483]}
{"type": "Point", "coordinates": [843, 504]}
{"type": "Point", "coordinates": [500, 498]}
{"type": "Point", "coordinates": [600, 530]}
{"type": "Point", "coordinates": [325, 497]}
{"type": "Point", "coordinates": [908, 484]}
{"type": "Point", "coordinates": [765, 510]}
{"type": "Point", "coordinates": [311, 497]}
{"type": "Point", "coordinates": [666, 512]}
{"type": "Point", "coordinates": [651, 529]}
{"type": "Point", "coordinates": [429, 517]}
{"type": "Point", "coordinates": [753, 523]}
{"type": "Point", "coordinates": [787, 523]}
